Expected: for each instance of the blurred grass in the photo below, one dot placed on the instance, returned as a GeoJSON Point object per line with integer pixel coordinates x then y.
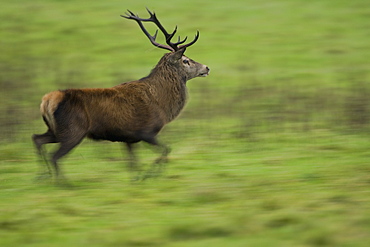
{"type": "Point", "coordinates": [272, 149]}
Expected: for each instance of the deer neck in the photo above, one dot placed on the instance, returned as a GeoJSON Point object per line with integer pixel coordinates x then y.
{"type": "Point", "coordinates": [169, 92]}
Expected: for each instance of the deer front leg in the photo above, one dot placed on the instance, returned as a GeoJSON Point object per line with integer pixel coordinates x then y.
{"type": "Point", "coordinates": [156, 168]}
{"type": "Point", "coordinates": [133, 167]}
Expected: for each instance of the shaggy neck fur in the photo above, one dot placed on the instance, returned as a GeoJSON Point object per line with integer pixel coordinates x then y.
{"type": "Point", "coordinates": [167, 84]}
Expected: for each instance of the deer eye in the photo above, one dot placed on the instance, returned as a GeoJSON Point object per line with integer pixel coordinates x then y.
{"type": "Point", "coordinates": [185, 61]}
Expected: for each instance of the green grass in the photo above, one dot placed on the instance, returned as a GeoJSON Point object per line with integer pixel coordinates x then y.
{"type": "Point", "coordinates": [271, 150]}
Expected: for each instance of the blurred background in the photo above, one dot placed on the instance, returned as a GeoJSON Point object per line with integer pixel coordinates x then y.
{"type": "Point", "coordinates": [287, 100]}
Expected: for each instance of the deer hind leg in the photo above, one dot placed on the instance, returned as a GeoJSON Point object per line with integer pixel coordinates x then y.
{"type": "Point", "coordinates": [39, 141]}
{"type": "Point", "coordinates": [157, 167]}
{"type": "Point", "coordinates": [66, 145]}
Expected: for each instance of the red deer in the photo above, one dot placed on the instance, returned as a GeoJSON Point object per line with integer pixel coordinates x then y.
{"type": "Point", "coordinates": [129, 112]}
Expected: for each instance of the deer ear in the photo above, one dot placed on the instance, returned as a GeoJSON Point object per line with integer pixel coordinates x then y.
{"type": "Point", "coordinates": [177, 55]}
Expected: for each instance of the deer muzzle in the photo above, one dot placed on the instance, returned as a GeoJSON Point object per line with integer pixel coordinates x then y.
{"type": "Point", "coordinates": [205, 71]}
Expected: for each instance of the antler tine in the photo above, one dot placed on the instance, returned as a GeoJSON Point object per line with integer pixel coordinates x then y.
{"type": "Point", "coordinates": [155, 35]}
{"type": "Point", "coordinates": [171, 35]}
{"type": "Point", "coordinates": [179, 42]}
{"type": "Point", "coordinates": [150, 13]}
{"type": "Point", "coordinates": [191, 43]}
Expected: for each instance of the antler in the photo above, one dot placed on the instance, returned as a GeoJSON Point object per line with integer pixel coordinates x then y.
{"type": "Point", "coordinates": [168, 36]}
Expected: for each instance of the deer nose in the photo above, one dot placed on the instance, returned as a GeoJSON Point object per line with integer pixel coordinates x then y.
{"type": "Point", "coordinates": [207, 68]}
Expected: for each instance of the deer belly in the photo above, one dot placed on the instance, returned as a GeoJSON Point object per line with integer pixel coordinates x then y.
{"type": "Point", "coordinates": [114, 136]}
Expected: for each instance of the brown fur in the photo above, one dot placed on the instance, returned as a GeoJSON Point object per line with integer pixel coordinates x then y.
{"type": "Point", "coordinates": [130, 112]}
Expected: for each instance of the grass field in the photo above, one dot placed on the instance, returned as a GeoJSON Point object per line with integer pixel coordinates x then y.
{"type": "Point", "coordinates": [273, 148]}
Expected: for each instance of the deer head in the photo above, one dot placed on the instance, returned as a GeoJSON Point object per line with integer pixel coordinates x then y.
{"type": "Point", "coordinates": [191, 68]}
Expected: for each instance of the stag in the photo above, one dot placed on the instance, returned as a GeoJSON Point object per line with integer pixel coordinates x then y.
{"type": "Point", "coordinates": [129, 112]}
